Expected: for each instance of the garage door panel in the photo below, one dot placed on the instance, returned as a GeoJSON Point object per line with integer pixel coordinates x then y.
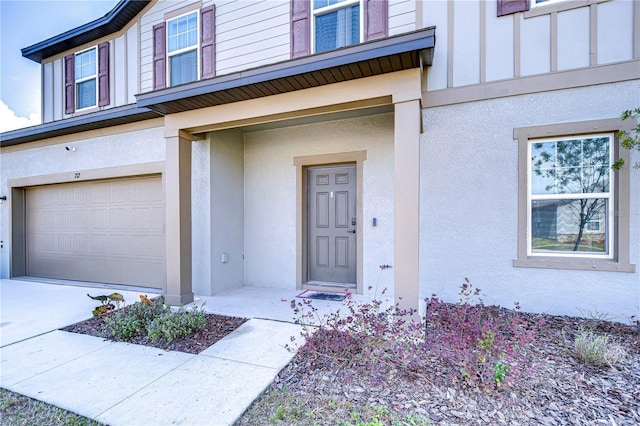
{"type": "Point", "coordinates": [105, 231]}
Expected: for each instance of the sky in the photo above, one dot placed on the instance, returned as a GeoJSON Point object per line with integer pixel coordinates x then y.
{"type": "Point", "coordinates": [22, 24]}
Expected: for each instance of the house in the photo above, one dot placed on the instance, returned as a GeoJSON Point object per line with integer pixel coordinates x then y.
{"type": "Point", "coordinates": [202, 145]}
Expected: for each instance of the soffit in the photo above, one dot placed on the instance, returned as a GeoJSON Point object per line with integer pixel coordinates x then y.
{"type": "Point", "coordinates": [98, 120]}
{"type": "Point", "coordinates": [116, 19]}
{"type": "Point", "coordinates": [398, 53]}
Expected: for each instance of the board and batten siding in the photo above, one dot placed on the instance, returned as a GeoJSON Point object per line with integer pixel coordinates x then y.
{"type": "Point", "coordinates": [122, 75]}
{"type": "Point", "coordinates": [476, 46]}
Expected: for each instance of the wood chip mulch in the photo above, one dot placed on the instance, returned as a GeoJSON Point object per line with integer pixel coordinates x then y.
{"type": "Point", "coordinates": [562, 390]}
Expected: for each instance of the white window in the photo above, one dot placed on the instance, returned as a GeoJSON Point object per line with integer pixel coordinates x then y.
{"type": "Point", "coordinates": [336, 23]}
{"type": "Point", "coordinates": [535, 3]}
{"type": "Point", "coordinates": [86, 75]}
{"type": "Point", "coordinates": [570, 197]}
{"type": "Point", "coordinates": [182, 49]}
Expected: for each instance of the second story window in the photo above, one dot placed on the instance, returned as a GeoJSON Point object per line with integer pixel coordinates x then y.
{"type": "Point", "coordinates": [86, 79]}
{"type": "Point", "coordinates": [336, 24]}
{"type": "Point", "coordinates": [86, 75]}
{"type": "Point", "coordinates": [323, 25]}
{"type": "Point", "coordinates": [185, 48]}
{"type": "Point", "coordinates": [182, 49]}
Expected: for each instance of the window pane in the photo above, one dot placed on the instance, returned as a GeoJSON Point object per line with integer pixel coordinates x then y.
{"type": "Point", "coordinates": [337, 29]}
{"type": "Point", "coordinates": [184, 67]}
{"type": "Point", "coordinates": [86, 94]}
{"type": "Point", "coordinates": [569, 226]}
{"type": "Point", "coordinates": [182, 32]}
{"type": "Point", "coordinates": [85, 64]}
{"type": "Point", "coordinates": [576, 166]}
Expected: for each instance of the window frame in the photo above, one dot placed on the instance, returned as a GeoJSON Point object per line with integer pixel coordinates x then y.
{"type": "Point", "coordinates": [77, 81]}
{"type": "Point", "coordinates": [609, 195]}
{"type": "Point", "coordinates": [332, 8]}
{"type": "Point", "coordinates": [196, 47]}
{"type": "Point", "coordinates": [619, 188]}
{"type": "Point", "coordinates": [534, 3]}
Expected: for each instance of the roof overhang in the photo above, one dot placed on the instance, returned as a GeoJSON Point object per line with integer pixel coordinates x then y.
{"type": "Point", "coordinates": [392, 54]}
{"type": "Point", "coordinates": [113, 21]}
{"type": "Point", "coordinates": [405, 51]}
{"type": "Point", "coordinates": [98, 120]}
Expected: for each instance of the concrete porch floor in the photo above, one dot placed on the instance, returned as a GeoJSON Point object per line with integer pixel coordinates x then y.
{"type": "Point", "coordinates": [120, 383]}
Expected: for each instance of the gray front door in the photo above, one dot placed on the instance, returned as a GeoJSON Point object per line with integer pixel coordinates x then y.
{"type": "Point", "coordinates": [331, 238]}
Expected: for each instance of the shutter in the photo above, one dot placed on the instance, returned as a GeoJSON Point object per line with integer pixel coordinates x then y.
{"type": "Point", "coordinates": [507, 7]}
{"type": "Point", "coordinates": [159, 56]}
{"type": "Point", "coordinates": [208, 42]}
{"type": "Point", "coordinates": [103, 74]}
{"type": "Point", "coordinates": [300, 28]}
{"type": "Point", "coordinates": [376, 19]}
{"type": "Point", "coordinates": [69, 84]}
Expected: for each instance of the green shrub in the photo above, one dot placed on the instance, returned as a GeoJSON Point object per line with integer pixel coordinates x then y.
{"type": "Point", "coordinates": [171, 326]}
{"type": "Point", "coordinates": [598, 350]}
{"type": "Point", "coordinates": [132, 321]}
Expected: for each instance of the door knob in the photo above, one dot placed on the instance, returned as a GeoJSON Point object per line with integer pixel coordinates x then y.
{"type": "Point", "coordinates": [353, 231]}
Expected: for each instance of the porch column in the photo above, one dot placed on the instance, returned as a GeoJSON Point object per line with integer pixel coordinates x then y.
{"type": "Point", "coordinates": [406, 202]}
{"type": "Point", "coordinates": [177, 184]}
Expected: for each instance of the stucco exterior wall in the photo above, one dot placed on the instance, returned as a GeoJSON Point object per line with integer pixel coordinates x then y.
{"type": "Point", "coordinates": [122, 146]}
{"type": "Point", "coordinates": [469, 205]}
{"type": "Point", "coordinates": [270, 185]}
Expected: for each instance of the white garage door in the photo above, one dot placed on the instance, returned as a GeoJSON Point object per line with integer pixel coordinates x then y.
{"type": "Point", "coordinates": [107, 231]}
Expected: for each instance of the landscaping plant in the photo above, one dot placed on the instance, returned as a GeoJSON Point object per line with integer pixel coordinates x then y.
{"type": "Point", "coordinates": [483, 343]}
{"type": "Point", "coordinates": [154, 319]}
{"type": "Point", "coordinates": [597, 349]}
{"type": "Point", "coordinates": [385, 340]}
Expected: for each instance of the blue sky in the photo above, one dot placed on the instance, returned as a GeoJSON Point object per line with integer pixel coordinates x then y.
{"type": "Point", "coordinates": [23, 23]}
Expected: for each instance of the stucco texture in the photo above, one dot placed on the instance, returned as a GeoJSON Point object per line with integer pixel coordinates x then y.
{"type": "Point", "coordinates": [97, 150]}
{"type": "Point", "coordinates": [270, 195]}
{"type": "Point", "coordinates": [469, 205]}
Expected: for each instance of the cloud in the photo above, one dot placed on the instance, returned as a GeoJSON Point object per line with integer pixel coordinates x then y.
{"type": "Point", "coordinates": [10, 121]}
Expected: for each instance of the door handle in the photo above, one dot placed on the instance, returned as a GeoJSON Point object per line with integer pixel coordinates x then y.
{"type": "Point", "coordinates": [353, 231]}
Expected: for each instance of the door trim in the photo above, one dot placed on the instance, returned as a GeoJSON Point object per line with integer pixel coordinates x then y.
{"type": "Point", "coordinates": [301, 163]}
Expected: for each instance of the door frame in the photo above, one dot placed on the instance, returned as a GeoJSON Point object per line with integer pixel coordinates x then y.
{"type": "Point", "coordinates": [301, 163]}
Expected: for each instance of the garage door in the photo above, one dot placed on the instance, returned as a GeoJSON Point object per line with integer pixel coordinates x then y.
{"type": "Point", "coordinates": [108, 231]}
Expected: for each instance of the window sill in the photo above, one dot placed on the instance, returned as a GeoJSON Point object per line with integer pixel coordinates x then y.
{"type": "Point", "coordinates": [574, 264]}
{"type": "Point", "coordinates": [547, 9]}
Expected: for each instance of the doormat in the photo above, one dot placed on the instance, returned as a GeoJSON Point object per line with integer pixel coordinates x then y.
{"type": "Point", "coordinates": [323, 295]}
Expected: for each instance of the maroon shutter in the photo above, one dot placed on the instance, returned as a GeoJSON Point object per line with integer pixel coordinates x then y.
{"type": "Point", "coordinates": [376, 19]}
{"type": "Point", "coordinates": [159, 56]}
{"type": "Point", "coordinates": [507, 7]}
{"type": "Point", "coordinates": [69, 84]}
{"type": "Point", "coordinates": [300, 28]}
{"type": "Point", "coordinates": [208, 42]}
{"type": "Point", "coordinates": [103, 74]}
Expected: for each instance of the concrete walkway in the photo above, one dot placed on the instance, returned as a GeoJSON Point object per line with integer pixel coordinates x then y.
{"type": "Point", "coordinates": [126, 384]}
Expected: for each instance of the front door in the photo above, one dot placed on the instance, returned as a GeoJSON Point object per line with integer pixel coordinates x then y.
{"type": "Point", "coordinates": [331, 225]}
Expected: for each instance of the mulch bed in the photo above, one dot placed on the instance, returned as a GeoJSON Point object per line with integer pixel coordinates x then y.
{"type": "Point", "coordinates": [216, 328]}
{"type": "Point", "coordinates": [562, 391]}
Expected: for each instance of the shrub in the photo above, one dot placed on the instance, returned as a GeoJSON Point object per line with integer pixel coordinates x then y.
{"type": "Point", "coordinates": [171, 326]}
{"type": "Point", "coordinates": [483, 343]}
{"type": "Point", "coordinates": [384, 339]}
{"type": "Point", "coordinates": [598, 350]}
{"type": "Point", "coordinates": [155, 320]}
{"type": "Point", "coordinates": [132, 321]}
